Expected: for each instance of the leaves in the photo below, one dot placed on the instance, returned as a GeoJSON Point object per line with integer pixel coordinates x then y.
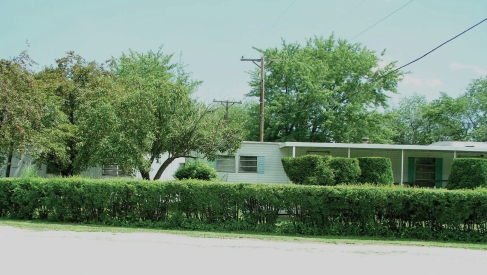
{"type": "Point", "coordinates": [324, 91]}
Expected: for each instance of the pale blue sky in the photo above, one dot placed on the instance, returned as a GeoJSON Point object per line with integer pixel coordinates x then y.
{"type": "Point", "coordinates": [212, 35]}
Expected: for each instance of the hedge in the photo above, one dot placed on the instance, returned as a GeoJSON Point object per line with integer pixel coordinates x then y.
{"type": "Point", "coordinates": [376, 170]}
{"type": "Point", "coordinates": [309, 170]}
{"type": "Point", "coordinates": [346, 170]}
{"type": "Point", "coordinates": [196, 170]}
{"type": "Point", "coordinates": [393, 212]}
{"type": "Point", "coordinates": [468, 173]}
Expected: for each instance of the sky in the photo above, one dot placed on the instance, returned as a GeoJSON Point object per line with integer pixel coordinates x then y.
{"type": "Point", "coordinates": [212, 35]}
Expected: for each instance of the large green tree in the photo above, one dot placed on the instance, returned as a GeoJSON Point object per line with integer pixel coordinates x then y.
{"type": "Point", "coordinates": [20, 109]}
{"type": "Point", "coordinates": [68, 87]}
{"type": "Point", "coordinates": [408, 121]}
{"type": "Point", "coordinates": [152, 114]}
{"type": "Point", "coordinates": [325, 91]}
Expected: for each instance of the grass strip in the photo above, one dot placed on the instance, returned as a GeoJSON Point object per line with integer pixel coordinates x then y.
{"type": "Point", "coordinates": [39, 225]}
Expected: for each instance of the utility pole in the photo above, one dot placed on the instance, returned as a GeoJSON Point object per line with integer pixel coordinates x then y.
{"type": "Point", "coordinates": [227, 105]}
{"type": "Point", "coordinates": [262, 79]}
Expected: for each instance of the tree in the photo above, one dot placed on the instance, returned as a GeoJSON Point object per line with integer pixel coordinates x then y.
{"type": "Point", "coordinates": [69, 86]}
{"type": "Point", "coordinates": [152, 114]}
{"type": "Point", "coordinates": [324, 91]}
{"type": "Point", "coordinates": [408, 121]}
{"type": "Point", "coordinates": [476, 100]}
{"type": "Point", "coordinates": [20, 108]}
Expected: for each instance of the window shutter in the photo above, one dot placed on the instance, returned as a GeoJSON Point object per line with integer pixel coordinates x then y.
{"type": "Point", "coordinates": [212, 164]}
{"type": "Point", "coordinates": [411, 168]}
{"type": "Point", "coordinates": [260, 164]}
{"type": "Point", "coordinates": [439, 173]}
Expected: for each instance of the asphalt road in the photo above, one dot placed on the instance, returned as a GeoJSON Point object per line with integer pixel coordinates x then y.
{"type": "Point", "coordinates": [61, 252]}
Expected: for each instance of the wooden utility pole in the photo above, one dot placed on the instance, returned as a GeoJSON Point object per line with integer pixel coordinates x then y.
{"type": "Point", "coordinates": [262, 79]}
{"type": "Point", "coordinates": [227, 105]}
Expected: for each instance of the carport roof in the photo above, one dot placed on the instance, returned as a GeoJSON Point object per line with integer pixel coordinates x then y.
{"type": "Point", "coordinates": [440, 146]}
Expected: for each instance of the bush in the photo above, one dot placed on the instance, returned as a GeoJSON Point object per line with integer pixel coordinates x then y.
{"type": "Point", "coordinates": [345, 170]}
{"type": "Point", "coordinates": [389, 211]}
{"type": "Point", "coordinates": [376, 170]}
{"type": "Point", "coordinates": [468, 173]}
{"type": "Point", "coordinates": [196, 170]}
{"type": "Point", "coordinates": [309, 170]}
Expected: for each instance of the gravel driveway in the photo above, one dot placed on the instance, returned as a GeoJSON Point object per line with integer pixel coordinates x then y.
{"type": "Point", "coordinates": [61, 252]}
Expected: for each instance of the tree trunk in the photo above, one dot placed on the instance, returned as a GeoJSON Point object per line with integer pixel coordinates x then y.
{"type": "Point", "coordinates": [145, 175]}
{"type": "Point", "coordinates": [163, 167]}
{"type": "Point", "coordinates": [9, 164]}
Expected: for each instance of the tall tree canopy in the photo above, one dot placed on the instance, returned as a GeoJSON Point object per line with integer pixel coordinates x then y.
{"type": "Point", "coordinates": [70, 85]}
{"type": "Point", "coordinates": [20, 108]}
{"type": "Point", "coordinates": [325, 91]}
{"type": "Point", "coordinates": [151, 114]}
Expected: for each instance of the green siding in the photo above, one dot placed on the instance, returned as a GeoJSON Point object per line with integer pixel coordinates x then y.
{"type": "Point", "coordinates": [260, 164]}
{"type": "Point", "coordinates": [411, 168]}
{"type": "Point", "coordinates": [439, 173]}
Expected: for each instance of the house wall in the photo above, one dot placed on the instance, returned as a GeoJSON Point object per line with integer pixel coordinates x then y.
{"type": "Point", "coordinates": [273, 171]}
{"type": "Point", "coordinates": [94, 172]}
{"type": "Point", "coordinates": [170, 170]}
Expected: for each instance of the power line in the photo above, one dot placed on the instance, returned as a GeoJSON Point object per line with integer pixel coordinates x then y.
{"type": "Point", "coordinates": [343, 17]}
{"type": "Point", "coordinates": [282, 14]}
{"type": "Point", "coordinates": [405, 64]}
{"type": "Point", "coordinates": [437, 47]}
{"type": "Point", "coordinates": [381, 20]}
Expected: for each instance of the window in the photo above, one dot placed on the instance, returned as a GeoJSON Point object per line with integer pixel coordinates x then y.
{"type": "Point", "coordinates": [225, 164]}
{"type": "Point", "coordinates": [425, 169]}
{"type": "Point", "coordinates": [247, 164]}
{"type": "Point", "coordinates": [112, 170]}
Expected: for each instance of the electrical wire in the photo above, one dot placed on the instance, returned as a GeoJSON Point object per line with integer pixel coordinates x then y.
{"type": "Point", "coordinates": [381, 20]}
{"type": "Point", "coordinates": [456, 36]}
{"type": "Point", "coordinates": [343, 17]}
{"type": "Point", "coordinates": [283, 14]}
{"type": "Point", "coordinates": [438, 46]}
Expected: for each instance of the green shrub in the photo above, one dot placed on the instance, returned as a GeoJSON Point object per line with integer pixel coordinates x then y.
{"type": "Point", "coordinates": [309, 170]}
{"type": "Point", "coordinates": [196, 170]}
{"type": "Point", "coordinates": [364, 210]}
{"type": "Point", "coordinates": [468, 173]}
{"type": "Point", "coordinates": [376, 170]}
{"type": "Point", "coordinates": [346, 170]}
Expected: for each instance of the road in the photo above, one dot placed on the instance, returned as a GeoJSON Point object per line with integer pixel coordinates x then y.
{"type": "Point", "coordinates": [61, 252]}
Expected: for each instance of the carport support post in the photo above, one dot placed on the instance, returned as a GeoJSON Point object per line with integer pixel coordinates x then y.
{"type": "Point", "coordinates": [454, 154]}
{"type": "Point", "coordinates": [402, 166]}
{"type": "Point", "coordinates": [348, 152]}
{"type": "Point", "coordinates": [294, 151]}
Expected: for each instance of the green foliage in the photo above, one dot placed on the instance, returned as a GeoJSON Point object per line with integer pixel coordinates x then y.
{"type": "Point", "coordinates": [309, 170]}
{"type": "Point", "coordinates": [365, 210]}
{"type": "Point", "coordinates": [21, 105]}
{"type": "Point", "coordinates": [196, 170]}
{"type": "Point", "coordinates": [417, 121]}
{"type": "Point", "coordinates": [336, 82]}
{"type": "Point", "coordinates": [468, 173]}
{"type": "Point", "coordinates": [153, 114]}
{"type": "Point", "coordinates": [346, 170]}
{"type": "Point", "coordinates": [29, 172]}
{"type": "Point", "coordinates": [376, 170]}
{"type": "Point", "coordinates": [69, 87]}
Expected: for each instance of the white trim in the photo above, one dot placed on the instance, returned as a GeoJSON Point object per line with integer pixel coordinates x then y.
{"type": "Point", "coordinates": [402, 166]}
{"type": "Point", "coordinates": [294, 151]}
{"type": "Point", "coordinates": [348, 152]}
{"type": "Point", "coordinates": [381, 146]}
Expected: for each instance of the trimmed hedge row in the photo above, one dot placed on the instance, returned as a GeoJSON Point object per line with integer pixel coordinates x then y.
{"type": "Point", "coordinates": [377, 170]}
{"type": "Point", "coordinates": [312, 210]}
{"type": "Point", "coordinates": [196, 170]}
{"type": "Point", "coordinates": [326, 170]}
{"type": "Point", "coordinates": [468, 173]}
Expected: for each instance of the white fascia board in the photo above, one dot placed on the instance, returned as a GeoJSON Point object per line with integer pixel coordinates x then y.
{"type": "Point", "coordinates": [381, 146]}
